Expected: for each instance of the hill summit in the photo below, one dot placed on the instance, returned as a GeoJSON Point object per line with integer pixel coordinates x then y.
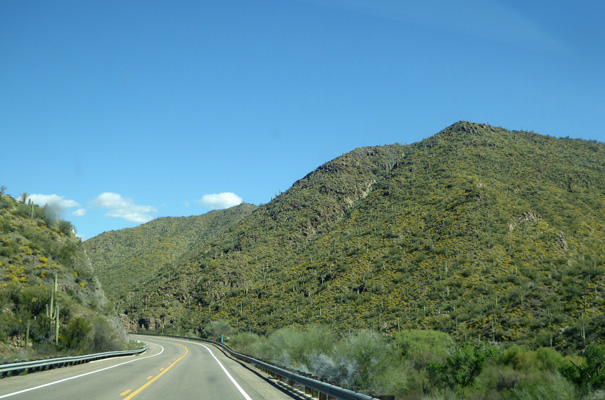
{"type": "Point", "coordinates": [476, 231]}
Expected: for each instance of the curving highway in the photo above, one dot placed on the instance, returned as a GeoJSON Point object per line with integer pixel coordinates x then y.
{"type": "Point", "coordinates": [170, 369]}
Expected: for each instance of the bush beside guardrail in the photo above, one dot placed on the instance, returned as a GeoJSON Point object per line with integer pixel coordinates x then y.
{"type": "Point", "coordinates": [323, 389]}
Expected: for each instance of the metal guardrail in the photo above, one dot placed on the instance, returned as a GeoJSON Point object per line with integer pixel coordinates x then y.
{"type": "Point", "coordinates": [39, 365]}
{"type": "Point", "coordinates": [329, 391]}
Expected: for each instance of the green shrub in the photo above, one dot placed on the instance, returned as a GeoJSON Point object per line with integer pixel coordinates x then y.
{"type": "Point", "coordinates": [550, 359]}
{"type": "Point", "coordinates": [544, 386]}
{"type": "Point", "coordinates": [463, 366]}
{"type": "Point", "coordinates": [423, 347]}
{"type": "Point", "coordinates": [244, 342]}
{"type": "Point", "coordinates": [315, 340]}
{"type": "Point", "coordinates": [216, 329]}
{"type": "Point", "coordinates": [8, 249]}
{"type": "Point", "coordinates": [589, 375]}
{"type": "Point", "coordinates": [285, 347]}
{"type": "Point", "coordinates": [39, 331]}
{"type": "Point", "coordinates": [77, 334]}
{"type": "Point", "coordinates": [372, 355]}
{"type": "Point", "coordinates": [65, 227]}
{"type": "Point", "coordinates": [66, 253]}
{"type": "Point", "coordinates": [6, 226]}
{"type": "Point", "coordinates": [9, 326]}
{"type": "Point", "coordinates": [526, 361]}
{"type": "Point", "coordinates": [336, 368]}
{"type": "Point", "coordinates": [31, 300]}
{"type": "Point", "coordinates": [105, 337]}
{"type": "Point", "coordinates": [294, 348]}
{"type": "Point", "coordinates": [499, 378]}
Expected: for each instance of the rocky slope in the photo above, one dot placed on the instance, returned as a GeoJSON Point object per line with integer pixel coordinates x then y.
{"type": "Point", "coordinates": [476, 231]}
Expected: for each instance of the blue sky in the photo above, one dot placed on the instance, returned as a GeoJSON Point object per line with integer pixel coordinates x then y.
{"type": "Point", "coordinates": [118, 112]}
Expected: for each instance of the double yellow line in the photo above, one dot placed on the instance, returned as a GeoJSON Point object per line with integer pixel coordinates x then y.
{"type": "Point", "coordinates": [139, 390]}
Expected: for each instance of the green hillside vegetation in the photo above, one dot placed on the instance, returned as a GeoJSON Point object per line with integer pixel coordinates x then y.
{"type": "Point", "coordinates": [425, 364]}
{"type": "Point", "coordinates": [50, 301]}
{"type": "Point", "coordinates": [124, 260]}
{"type": "Point", "coordinates": [477, 231]}
{"type": "Point", "coordinates": [468, 265]}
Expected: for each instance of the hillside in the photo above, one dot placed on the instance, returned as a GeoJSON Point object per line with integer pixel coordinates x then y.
{"type": "Point", "coordinates": [125, 259]}
{"type": "Point", "coordinates": [46, 279]}
{"type": "Point", "coordinates": [476, 231]}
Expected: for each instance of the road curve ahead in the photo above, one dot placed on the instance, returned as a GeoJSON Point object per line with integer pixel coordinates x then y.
{"type": "Point", "coordinates": [170, 369]}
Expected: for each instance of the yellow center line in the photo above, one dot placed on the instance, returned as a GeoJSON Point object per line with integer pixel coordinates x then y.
{"type": "Point", "coordinates": [139, 390]}
{"type": "Point", "coordinates": [124, 393]}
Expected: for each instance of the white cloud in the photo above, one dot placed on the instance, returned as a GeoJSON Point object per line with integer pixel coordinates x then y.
{"type": "Point", "coordinates": [52, 200]}
{"type": "Point", "coordinates": [121, 207]}
{"type": "Point", "coordinates": [220, 201]}
{"type": "Point", "coordinates": [55, 204]}
{"type": "Point", "coordinates": [80, 212]}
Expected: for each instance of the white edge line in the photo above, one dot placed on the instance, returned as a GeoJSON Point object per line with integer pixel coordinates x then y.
{"type": "Point", "coordinates": [222, 367]}
{"type": "Point", "coordinates": [77, 376]}
{"type": "Point", "coordinates": [228, 374]}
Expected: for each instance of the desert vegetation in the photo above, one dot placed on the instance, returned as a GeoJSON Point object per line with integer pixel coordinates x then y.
{"type": "Point", "coordinates": [478, 232]}
{"type": "Point", "coordinates": [426, 364]}
{"type": "Point", "coordinates": [491, 237]}
{"type": "Point", "coordinates": [50, 300]}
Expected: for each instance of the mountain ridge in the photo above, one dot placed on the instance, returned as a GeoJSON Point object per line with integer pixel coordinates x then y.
{"type": "Point", "coordinates": [150, 246]}
{"type": "Point", "coordinates": [476, 231]}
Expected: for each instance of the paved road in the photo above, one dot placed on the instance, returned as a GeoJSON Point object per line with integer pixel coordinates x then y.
{"type": "Point", "coordinates": [170, 369]}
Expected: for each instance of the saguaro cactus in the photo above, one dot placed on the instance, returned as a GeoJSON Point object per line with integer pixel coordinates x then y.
{"type": "Point", "coordinates": [57, 325]}
{"type": "Point", "coordinates": [52, 311]}
{"type": "Point", "coordinates": [27, 334]}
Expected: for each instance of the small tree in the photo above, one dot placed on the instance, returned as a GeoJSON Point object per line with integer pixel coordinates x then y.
{"type": "Point", "coordinates": [464, 365]}
{"type": "Point", "coordinates": [77, 335]}
{"type": "Point", "coordinates": [65, 227]}
{"type": "Point", "coordinates": [423, 347]}
{"type": "Point", "coordinates": [216, 329]}
{"type": "Point", "coordinates": [590, 375]}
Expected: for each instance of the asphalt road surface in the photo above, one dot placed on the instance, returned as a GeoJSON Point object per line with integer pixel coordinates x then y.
{"type": "Point", "coordinates": [169, 369]}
